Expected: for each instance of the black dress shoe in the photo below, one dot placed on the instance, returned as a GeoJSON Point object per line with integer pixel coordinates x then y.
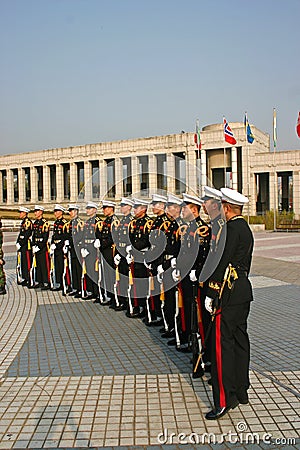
{"type": "Point", "coordinates": [73, 293]}
{"type": "Point", "coordinates": [168, 334]}
{"type": "Point", "coordinates": [58, 288]}
{"type": "Point", "coordinates": [78, 295]}
{"type": "Point", "coordinates": [184, 349]}
{"type": "Point", "coordinates": [162, 330]}
{"type": "Point", "coordinates": [120, 308]}
{"type": "Point", "coordinates": [97, 300]}
{"type": "Point", "coordinates": [198, 374]}
{"type": "Point", "coordinates": [209, 381]}
{"type": "Point", "coordinates": [219, 412]}
{"type": "Point", "coordinates": [106, 302]}
{"type": "Point", "coordinates": [172, 342]}
{"type": "Point", "coordinates": [243, 398]}
{"type": "Point", "coordinates": [46, 287]}
{"type": "Point", "coordinates": [207, 368]}
{"type": "Point", "coordinates": [2, 291]}
{"type": "Point", "coordinates": [24, 283]}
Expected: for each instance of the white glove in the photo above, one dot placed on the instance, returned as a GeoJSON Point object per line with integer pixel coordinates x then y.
{"type": "Point", "coordinates": [176, 275]}
{"type": "Point", "coordinates": [129, 259]}
{"type": "Point", "coordinates": [160, 273]}
{"type": "Point", "coordinates": [208, 304]}
{"type": "Point", "coordinates": [128, 248]}
{"type": "Point", "coordinates": [84, 252]}
{"type": "Point", "coordinates": [97, 243]}
{"type": "Point", "coordinates": [65, 249]}
{"type": "Point", "coordinates": [67, 243]}
{"type": "Point", "coordinates": [35, 249]}
{"type": "Point", "coordinates": [148, 266]}
{"type": "Point", "coordinates": [18, 246]}
{"type": "Point", "coordinates": [193, 275]}
{"type": "Point", "coordinates": [52, 247]}
{"type": "Point", "coordinates": [173, 263]}
{"type": "Point", "coordinates": [117, 259]}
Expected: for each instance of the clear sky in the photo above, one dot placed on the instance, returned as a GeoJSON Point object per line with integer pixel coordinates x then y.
{"type": "Point", "coordinates": [83, 71]}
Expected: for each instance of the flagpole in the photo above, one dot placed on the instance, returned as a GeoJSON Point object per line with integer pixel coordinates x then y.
{"type": "Point", "coordinates": [247, 165]}
{"type": "Point", "coordinates": [274, 160]}
{"type": "Point", "coordinates": [224, 162]}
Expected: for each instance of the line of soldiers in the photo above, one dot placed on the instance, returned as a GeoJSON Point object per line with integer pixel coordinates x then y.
{"type": "Point", "coordinates": [164, 269]}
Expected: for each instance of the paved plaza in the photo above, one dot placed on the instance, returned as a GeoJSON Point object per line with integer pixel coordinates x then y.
{"type": "Point", "coordinates": [74, 374]}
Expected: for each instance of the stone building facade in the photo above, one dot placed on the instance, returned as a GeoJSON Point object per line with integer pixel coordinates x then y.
{"type": "Point", "coordinates": [146, 165]}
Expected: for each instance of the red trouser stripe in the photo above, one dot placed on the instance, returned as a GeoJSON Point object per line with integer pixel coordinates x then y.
{"type": "Point", "coordinates": [48, 266]}
{"type": "Point", "coordinates": [219, 360]}
{"type": "Point", "coordinates": [28, 260]}
{"type": "Point", "coordinates": [200, 321]}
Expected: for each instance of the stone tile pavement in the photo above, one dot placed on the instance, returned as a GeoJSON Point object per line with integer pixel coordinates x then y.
{"type": "Point", "coordinates": [78, 375]}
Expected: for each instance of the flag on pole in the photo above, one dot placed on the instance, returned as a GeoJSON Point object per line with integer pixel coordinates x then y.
{"type": "Point", "coordinates": [298, 126]}
{"type": "Point", "coordinates": [228, 134]}
{"type": "Point", "coordinates": [274, 128]}
{"type": "Point", "coordinates": [197, 139]}
{"type": "Point", "coordinates": [250, 137]}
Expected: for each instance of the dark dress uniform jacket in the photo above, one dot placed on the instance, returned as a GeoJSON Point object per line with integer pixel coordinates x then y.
{"type": "Point", "coordinates": [75, 232]}
{"type": "Point", "coordinates": [59, 236]}
{"type": "Point", "coordinates": [40, 238]}
{"type": "Point", "coordinates": [230, 341]}
{"type": "Point", "coordinates": [139, 238]}
{"type": "Point", "coordinates": [23, 239]}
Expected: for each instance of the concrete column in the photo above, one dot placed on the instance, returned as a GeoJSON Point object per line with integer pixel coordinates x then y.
{"type": "Point", "coordinates": [1, 187]}
{"type": "Point", "coordinates": [59, 183]}
{"type": "Point", "coordinates": [33, 185]}
{"type": "Point", "coordinates": [73, 183]}
{"type": "Point", "coordinates": [103, 179]}
{"type": "Point", "coordinates": [203, 171]}
{"type": "Point", "coordinates": [296, 194]}
{"type": "Point", "coordinates": [21, 179]}
{"type": "Point", "coordinates": [272, 190]}
{"type": "Point", "coordinates": [87, 180]}
{"type": "Point", "coordinates": [171, 172]}
{"type": "Point", "coordinates": [152, 174]}
{"type": "Point", "coordinates": [252, 196]}
{"type": "Point", "coordinates": [46, 184]}
{"type": "Point", "coordinates": [234, 168]}
{"type": "Point", "coordinates": [10, 187]}
{"type": "Point", "coordinates": [192, 174]}
{"type": "Point", "coordinates": [135, 176]}
{"type": "Point", "coordinates": [119, 178]}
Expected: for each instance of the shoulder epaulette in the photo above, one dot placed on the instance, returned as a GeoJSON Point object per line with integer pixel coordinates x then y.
{"type": "Point", "coordinates": [214, 285]}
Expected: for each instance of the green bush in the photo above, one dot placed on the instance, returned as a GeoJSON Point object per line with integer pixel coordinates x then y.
{"type": "Point", "coordinates": [268, 219]}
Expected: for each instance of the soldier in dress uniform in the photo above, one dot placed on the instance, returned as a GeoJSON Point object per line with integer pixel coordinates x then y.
{"type": "Point", "coordinates": [2, 262]}
{"type": "Point", "coordinates": [23, 244]}
{"type": "Point", "coordinates": [154, 260]}
{"type": "Point", "coordinates": [40, 249]}
{"type": "Point", "coordinates": [104, 242]}
{"type": "Point", "coordinates": [139, 238]}
{"type": "Point", "coordinates": [121, 240]}
{"type": "Point", "coordinates": [173, 210]}
{"type": "Point", "coordinates": [228, 299]}
{"type": "Point", "coordinates": [58, 239]}
{"type": "Point", "coordinates": [75, 231]}
{"type": "Point", "coordinates": [194, 250]}
{"type": "Point", "coordinates": [89, 253]}
{"type": "Point", "coordinates": [213, 207]}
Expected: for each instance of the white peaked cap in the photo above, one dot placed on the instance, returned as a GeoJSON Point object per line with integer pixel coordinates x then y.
{"type": "Point", "coordinates": [108, 203]}
{"type": "Point", "coordinates": [23, 209]}
{"type": "Point", "coordinates": [58, 207]}
{"type": "Point", "coordinates": [210, 192]}
{"type": "Point", "coordinates": [73, 206]}
{"type": "Point", "coordinates": [126, 201]}
{"type": "Point", "coordinates": [173, 200]}
{"type": "Point", "coordinates": [39, 208]}
{"type": "Point", "coordinates": [233, 197]}
{"type": "Point", "coordinates": [156, 198]}
{"type": "Point", "coordinates": [140, 202]}
{"type": "Point", "coordinates": [187, 198]}
{"type": "Point", "coordinates": [91, 205]}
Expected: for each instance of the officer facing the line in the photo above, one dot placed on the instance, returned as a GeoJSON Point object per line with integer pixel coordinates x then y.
{"type": "Point", "coordinates": [228, 299]}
